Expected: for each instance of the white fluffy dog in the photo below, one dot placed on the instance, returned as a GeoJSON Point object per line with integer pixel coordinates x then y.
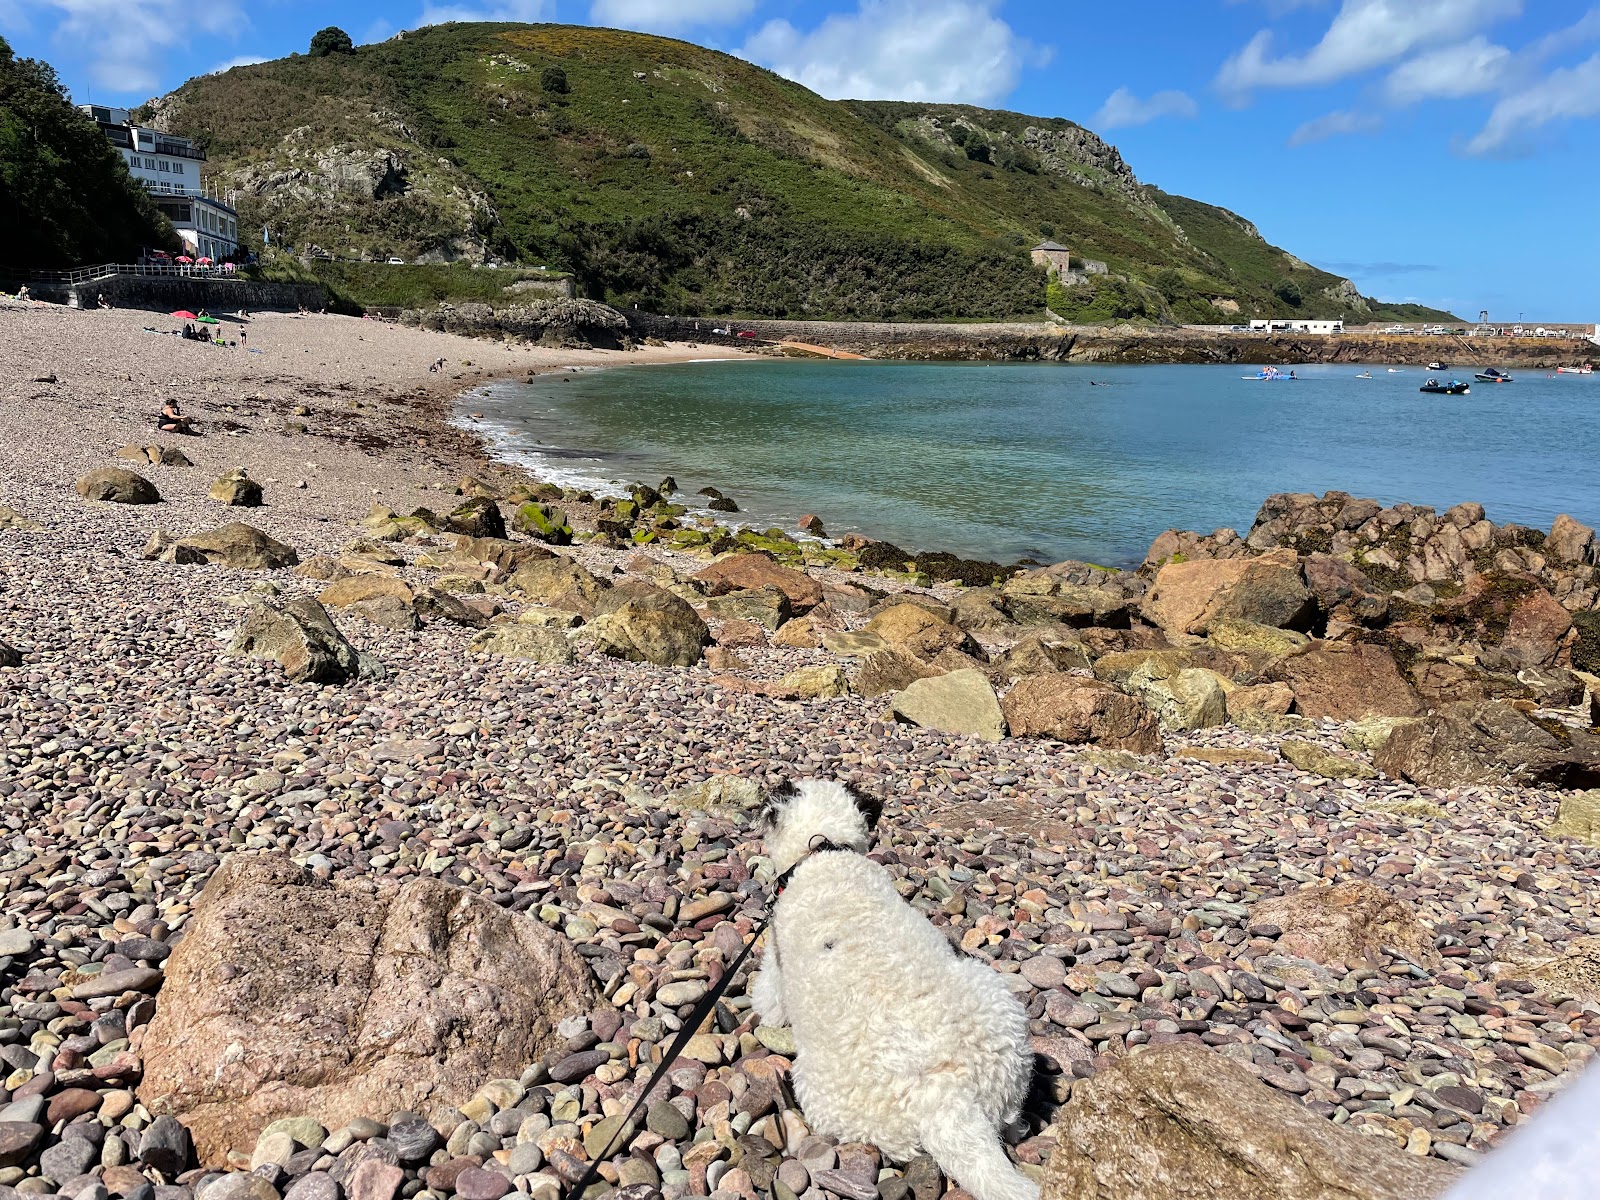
{"type": "Point", "coordinates": [900, 1040]}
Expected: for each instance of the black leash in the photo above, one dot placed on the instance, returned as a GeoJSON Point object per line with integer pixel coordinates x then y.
{"type": "Point", "coordinates": [702, 1009]}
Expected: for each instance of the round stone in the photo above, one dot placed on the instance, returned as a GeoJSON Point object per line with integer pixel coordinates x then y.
{"type": "Point", "coordinates": [665, 1120]}
{"type": "Point", "coordinates": [414, 1139]}
{"type": "Point", "coordinates": [1044, 971]}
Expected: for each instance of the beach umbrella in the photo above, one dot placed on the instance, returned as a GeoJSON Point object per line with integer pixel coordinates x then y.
{"type": "Point", "coordinates": [208, 320]}
{"type": "Point", "coordinates": [183, 314]}
{"type": "Point", "coordinates": [183, 258]}
{"type": "Point", "coordinates": [205, 262]}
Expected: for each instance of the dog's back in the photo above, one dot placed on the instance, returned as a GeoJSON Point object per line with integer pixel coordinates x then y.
{"type": "Point", "coordinates": [892, 1025]}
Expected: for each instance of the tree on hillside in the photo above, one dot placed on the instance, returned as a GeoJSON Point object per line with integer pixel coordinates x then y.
{"type": "Point", "coordinates": [1289, 292]}
{"type": "Point", "coordinates": [554, 81]}
{"type": "Point", "coordinates": [331, 40]}
{"type": "Point", "coordinates": [66, 197]}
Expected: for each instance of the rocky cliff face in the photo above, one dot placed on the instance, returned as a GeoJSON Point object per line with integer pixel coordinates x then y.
{"type": "Point", "coordinates": [1077, 154]}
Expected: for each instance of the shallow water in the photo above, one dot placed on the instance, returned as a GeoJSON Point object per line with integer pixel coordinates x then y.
{"type": "Point", "coordinates": [1047, 461]}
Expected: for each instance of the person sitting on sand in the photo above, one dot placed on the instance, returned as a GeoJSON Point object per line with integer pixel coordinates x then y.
{"type": "Point", "coordinates": [172, 420]}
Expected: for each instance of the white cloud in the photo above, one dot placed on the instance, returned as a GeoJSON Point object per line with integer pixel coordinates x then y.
{"type": "Point", "coordinates": [244, 60]}
{"type": "Point", "coordinates": [1566, 93]}
{"type": "Point", "coordinates": [1335, 124]}
{"type": "Point", "coordinates": [505, 10]}
{"type": "Point", "coordinates": [380, 30]}
{"type": "Point", "coordinates": [668, 16]}
{"type": "Point", "coordinates": [1122, 108]}
{"type": "Point", "coordinates": [126, 41]}
{"type": "Point", "coordinates": [1364, 34]}
{"type": "Point", "coordinates": [940, 50]}
{"type": "Point", "coordinates": [1469, 69]}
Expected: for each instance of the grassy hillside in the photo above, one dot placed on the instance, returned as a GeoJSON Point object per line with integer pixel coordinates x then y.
{"type": "Point", "coordinates": [672, 176]}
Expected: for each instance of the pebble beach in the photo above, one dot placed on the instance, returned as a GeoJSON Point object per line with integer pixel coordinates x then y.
{"type": "Point", "coordinates": [1127, 900]}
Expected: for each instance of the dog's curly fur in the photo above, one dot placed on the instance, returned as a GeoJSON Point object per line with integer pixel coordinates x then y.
{"type": "Point", "coordinates": [900, 1040]}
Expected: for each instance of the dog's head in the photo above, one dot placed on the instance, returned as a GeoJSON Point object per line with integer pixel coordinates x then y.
{"type": "Point", "coordinates": [803, 813]}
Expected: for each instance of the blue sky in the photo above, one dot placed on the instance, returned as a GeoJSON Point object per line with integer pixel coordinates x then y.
{"type": "Point", "coordinates": [1445, 151]}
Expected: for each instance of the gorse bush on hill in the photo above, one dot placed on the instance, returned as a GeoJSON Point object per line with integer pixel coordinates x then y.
{"type": "Point", "coordinates": [66, 197]}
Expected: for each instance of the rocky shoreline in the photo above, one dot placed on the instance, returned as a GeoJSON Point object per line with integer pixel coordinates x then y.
{"type": "Point", "coordinates": [1308, 799]}
{"type": "Point", "coordinates": [1017, 341]}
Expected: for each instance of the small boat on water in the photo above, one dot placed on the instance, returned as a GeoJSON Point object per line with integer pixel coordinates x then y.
{"type": "Point", "coordinates": [1438, 366]}
{"type": "Point", "coordinates": [1271, 375]}
{"type": "Point", "coordinates": [1396, 371]}
{"type": "Point", "coordinates": [1365, 375]}
{"type": "Point", "coordinates": [1454, 388]}
{"type": "Point", "coordinates": [1583, 370]}
{"type": "Point", "coordinates": [1492, 375]}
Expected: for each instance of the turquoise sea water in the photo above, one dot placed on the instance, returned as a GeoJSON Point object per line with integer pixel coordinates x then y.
{"type": "Point", "coordinates": [1052, 462]}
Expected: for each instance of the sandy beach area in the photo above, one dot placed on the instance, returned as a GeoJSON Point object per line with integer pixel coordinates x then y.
{"type": "Point", "coordinates": [1119, 895]}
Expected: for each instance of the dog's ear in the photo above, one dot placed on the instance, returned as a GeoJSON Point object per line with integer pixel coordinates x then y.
{"type": "Point", "coordinates": [869, 807]}
{"type": "Point", "coordinates": [776, 799]}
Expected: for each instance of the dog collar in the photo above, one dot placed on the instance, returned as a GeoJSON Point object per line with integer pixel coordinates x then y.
{"type": "Point", "coordinates": [820, 846]}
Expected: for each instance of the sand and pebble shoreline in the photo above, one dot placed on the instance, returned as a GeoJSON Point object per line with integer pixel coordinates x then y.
{"type": "Point", "coordinates": [1116, 900]}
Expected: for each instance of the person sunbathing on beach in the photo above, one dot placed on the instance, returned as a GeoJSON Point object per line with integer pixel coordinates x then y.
{"type": "Point", "coordinates": [172, 420]}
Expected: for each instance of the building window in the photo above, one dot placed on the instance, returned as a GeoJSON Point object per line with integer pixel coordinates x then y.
{"type": "Point", "coordinates": [177, 168]}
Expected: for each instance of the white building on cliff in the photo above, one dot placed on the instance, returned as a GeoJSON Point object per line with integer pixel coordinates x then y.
{"type": "Point", "coordinates": [169, 168]}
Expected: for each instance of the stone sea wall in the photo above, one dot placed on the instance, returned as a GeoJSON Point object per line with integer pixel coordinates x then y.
{"type": "Point", "coordinates": [167, 293]}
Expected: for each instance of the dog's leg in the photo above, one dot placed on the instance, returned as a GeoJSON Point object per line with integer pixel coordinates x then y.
{"type": "Point", "coordinates": [766, 990]}
{"type": "Point", "coordinates": [966, 1147]}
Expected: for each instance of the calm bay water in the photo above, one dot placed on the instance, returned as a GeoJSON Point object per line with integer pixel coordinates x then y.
{"type": "Point", "coordinates": [1053, 462]}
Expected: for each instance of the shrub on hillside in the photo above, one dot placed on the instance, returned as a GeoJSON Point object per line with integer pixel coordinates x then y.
{"type": "Point", "coordinates": [331, 40]}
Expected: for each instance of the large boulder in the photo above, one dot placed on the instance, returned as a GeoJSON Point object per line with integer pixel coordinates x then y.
{"type": "Point", "coordinates": [534, 643]}
{"type": "Point", "coordinates": [1347, 681]}
{"type": "Point", "coordinates": [557, 581]}
{"type": "Point", "coordinates": [11, 519]}
{"type": "Point", "coordinates": [1186, 596]}
{"type": "Point", "coordinates": [1574, 971]}
{"type": "Point", "coordinates": [766, 606]}
{"type": "Point", "coordinates": [237, 490]}
{"type": "Point", "coordinates": [478, 517]}
{"type": "Point", "coordinates": [639, 622]}
{"type": "Point", "coordinates": [1039, 653]}
{"type": "Point", "coordinates": [1181, 1122]}
{"type": "Point", "coordinates": [1194, 698]}
{"type": "Point", "coordinates": [745, 572]}
{"type": "Point", "coordinates": [1119, 666]}
{"type": "Point", "coordinates": [1537, 629]}
{"type": "Point", "coordinates": [116, 486]}
{"type": "Point", "coordinates": [1578, 817]}
{"type": "Point", "coordinates": [499, 553]}
{"type": "Point", "coordinates": [889, 670]}
{"type": "Point", "coordinates": [291, 996]}
{"type": "Point", "coordinates": [914, 630]}
{"type": "Point", "coordinates": [960, 702]}
{"type": "Point", "coordinates": [1350, 922]}
{"type": "Point", "coordinates": [359, 589]}
{"type": "Point", "coordinates": [1070, 708]}
{"type": "Point", "coordinates": [1570, 541]}
{"type": "Point", "coordinates": [1489, 742]}
{"type": "Point", "coordinates": [236, 546]}
{"type": "Point", "coordinates": [1233, 634]}
{"type": "Point", "coordinates": [298, 634]}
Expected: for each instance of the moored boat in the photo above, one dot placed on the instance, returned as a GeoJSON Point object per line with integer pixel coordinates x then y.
{"type": "Point", "coordinates": [1438, 366]}
{"type": "Point", "coordinates": [1454, 388]}
{"type": "Point", "coordinates": [1492, 375]}
{"type": "Point", "coordinates": [1585, 369]}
